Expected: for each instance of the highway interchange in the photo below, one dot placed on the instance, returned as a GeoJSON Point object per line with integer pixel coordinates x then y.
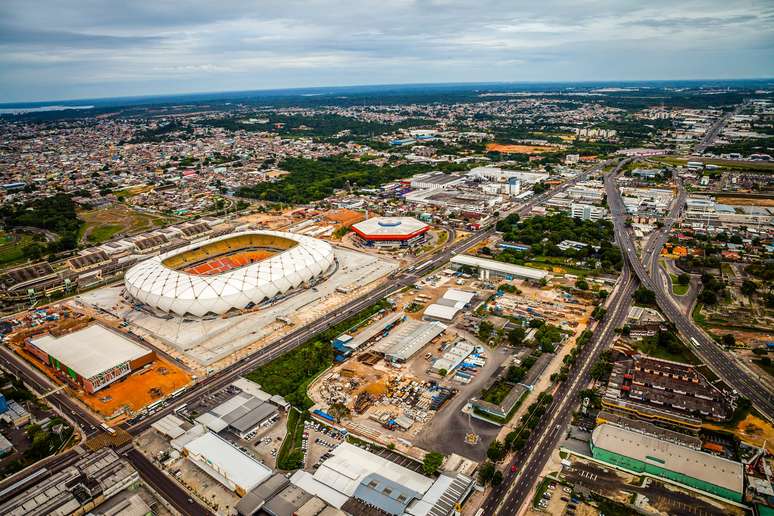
{"type": "Point", "coordinates": [511, 494]}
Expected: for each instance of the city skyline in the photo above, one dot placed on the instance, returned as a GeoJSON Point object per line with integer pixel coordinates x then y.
{"type": "Point", "coordinates": [85, 51]}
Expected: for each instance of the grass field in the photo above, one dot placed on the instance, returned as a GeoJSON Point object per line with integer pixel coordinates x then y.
{"type": "Point", "coordinates": [681, 354]}
{"type": "Point", "coordinates": [103, 224]}
{"type": "Point", "coordinates": [677, 288]}
{"type": "Point", "coordinates": [12, 249]}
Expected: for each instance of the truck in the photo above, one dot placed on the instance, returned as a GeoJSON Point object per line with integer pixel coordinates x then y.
{"type": "Point", "coordinates": [694, 342]}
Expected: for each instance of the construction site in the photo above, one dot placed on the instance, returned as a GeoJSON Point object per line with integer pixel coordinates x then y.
{"type": "Point", "coordinates": [210, 343]}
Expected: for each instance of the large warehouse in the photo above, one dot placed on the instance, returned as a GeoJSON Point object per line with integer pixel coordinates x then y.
{"type": "Point", "coordinates": [488, 268]}
{"type": "Point", "coordinates": [645, 454]}
{"type": "Point", "coordinates": [92, 358]}
{"type": "Point", "coordinates": [231, 272]}
{"type": "Point", "coordinates": [391, 232]}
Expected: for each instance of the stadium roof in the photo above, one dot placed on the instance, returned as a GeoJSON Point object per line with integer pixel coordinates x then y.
{"type": "Point", "coordinates": [390, 228]}
{"type": "Point", "coordinates": [501, 267]}
{"type": "Point", "coordinates": [239, 468]}
{"type": "Point", "coordinates": [168, 290]}
{"type": "Point", "coordinates": [673, 457]}
{"type": "Point", "coordinates": [92, 350]}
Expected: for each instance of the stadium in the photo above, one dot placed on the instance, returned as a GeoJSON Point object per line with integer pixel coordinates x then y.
{"type": "Point", "coordinates": [390, 232]}
{"type": "Point", "coordinates": [231, 272]}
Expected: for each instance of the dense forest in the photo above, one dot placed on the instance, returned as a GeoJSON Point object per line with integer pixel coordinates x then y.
{"type": "Point", "coordinates": [544, 233]}
{"type": "Point", "coordinates": [322, 125]}
{"type": "Point", "coordinates": [311, 180]}
{"type": "Point", "coordinates": [55, 213]}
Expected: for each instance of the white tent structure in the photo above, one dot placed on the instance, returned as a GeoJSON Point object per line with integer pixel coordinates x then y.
{"type": "Point", "coordinates": [153, 283]}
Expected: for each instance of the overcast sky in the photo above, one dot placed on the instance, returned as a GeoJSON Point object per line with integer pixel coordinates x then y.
{"type": "Point", "coordinates": [63, 49]}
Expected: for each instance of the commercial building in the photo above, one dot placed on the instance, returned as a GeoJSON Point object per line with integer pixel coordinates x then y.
{"type": "Point", "coordinates": [435, 180]}
{"type": "Point", "coordinates": [359, 482]}
{"type": "Point", "coordinates": [646, 454]}
{"type": "Point", "coordinates": [453, 357]}
{"type": "Point", "coordinates": [587, 211]}
{"type": "Point", "coordinates": [499, 175]}
{"type": "Point", "coordinates": [408, 338]}
{"type": "Point", "coordinates": [241, 414]}
{"type": "Point", "coordinates": [588, 192]}
{"type": "Point", "coordinates": [346, 344]}
{"type": "Point", "coordinates": [77, 489]}
{"type": "Point", "coordinates": [448, 306]}
{"type": "Point", "coordinates": [222, 460]}
{"type": "Point", "coordinates": [91, 358]}
{"type": "Point", "coordinates": [391, 232]}
{"type": "Point", "coordinates": [488, 268]}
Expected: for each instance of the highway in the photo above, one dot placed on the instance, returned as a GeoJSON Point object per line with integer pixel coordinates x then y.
{"type": "Point", "coordinates": [711, 353]}
{"type": "Point", "coordinates": [715, 129]}
{"type": "Point", "coordinates": [171, 491]}
{"type": "Point", "coordinates": [508, 498]}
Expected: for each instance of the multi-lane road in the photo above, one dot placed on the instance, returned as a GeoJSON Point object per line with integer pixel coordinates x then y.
{"type": "Point", "coordinates": [508, 497]}
{"type": "Point", "coordinates": [721, 362]}
{"type": "Point", "coordinates": [156, 478]}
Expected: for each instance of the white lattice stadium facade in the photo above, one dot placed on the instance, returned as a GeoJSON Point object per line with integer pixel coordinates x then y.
{"type": "Point", "coordinates": [265, 264]}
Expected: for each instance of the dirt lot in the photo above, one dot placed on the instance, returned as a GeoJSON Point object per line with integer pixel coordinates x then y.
{"type": "Point", "coordinates": [751, 429]}
{"type": "Point", "coordinates": [104, 223]}
{"type": "Point", "coordinates": [344, 217]}
{"type": "Point", "coordinates": [520, 149]}
{"type": "Point", "coordinates": [744, 201]}
{"type": "Point", "coordinates": [138, 389]}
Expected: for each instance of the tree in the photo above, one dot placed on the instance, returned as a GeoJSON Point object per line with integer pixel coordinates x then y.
{"type": "Point", "coordinates": [708, 297]}
{"type": "Point", "coordinates": [516, 336]}
{"type": "Point", "coordinates": [485, 330]}
{"type": "Point", "coordinates": [496, 451]}
{"type": "Point", "coordinates": [582, 284]}
{"type": "Point", "coordinates": [683, 278]}
{"type": "Point", "coordinates": [486, 472]}
{"type": "Point", "coordinates": [339, 411]}
{"type": "Point", "coordinates": [432, 462]}
{"type": "Point", "coordinates": [644, 296]}
{"type": "Point", "coordinates": [749, 287]}
{"type": "Point", "coordinates": [602, 294]}
{"type": "Point", "coordinates": [729, 340]}
{"type": "Point", "coordinates": [497, 478]}
{"type": "Point", "coordinates": [443, 372]}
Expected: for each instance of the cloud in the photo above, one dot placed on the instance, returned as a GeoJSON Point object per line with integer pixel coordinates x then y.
{"type": "Point", "coordinates": [80, 48]}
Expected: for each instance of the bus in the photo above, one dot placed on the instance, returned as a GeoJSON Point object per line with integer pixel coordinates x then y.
{"type": "Point", "coordinates": [107, 429]}
{"type": "Point", "coordinates": [694, 342]}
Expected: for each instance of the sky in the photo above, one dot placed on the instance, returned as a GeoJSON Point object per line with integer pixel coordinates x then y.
{"type": "Point", "coordinates": [70, 49]}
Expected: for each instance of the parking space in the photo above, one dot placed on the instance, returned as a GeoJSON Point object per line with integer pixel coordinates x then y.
{"type": "Point", "coordinates": [320, 440]}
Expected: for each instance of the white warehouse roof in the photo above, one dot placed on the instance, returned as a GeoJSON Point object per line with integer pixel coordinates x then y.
{"type": "Point", "coordinates": [501, 267]}
{"type": "Point", "coordinates": [153, 283]}
{"type": "Point", "coordinates": [409, 337]}
{"type": "Point", "coordinates": [673, 457]}
{"type": "Point", "coordinates": [227, 461]}
{"type": "Point", "coordinates": [92, 350]}
{"type": "Point", "coordinates": [443, 312]}
{"type": "Point", "coordinates": [339, 476]}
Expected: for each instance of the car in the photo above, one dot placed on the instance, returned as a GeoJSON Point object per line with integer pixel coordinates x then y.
{"type": "Point", "coordinates": [513, 468]}
{"type": "Point", "coordinates": [190, 500]}
{"type": "Point", "coordinates": [567, 489]}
